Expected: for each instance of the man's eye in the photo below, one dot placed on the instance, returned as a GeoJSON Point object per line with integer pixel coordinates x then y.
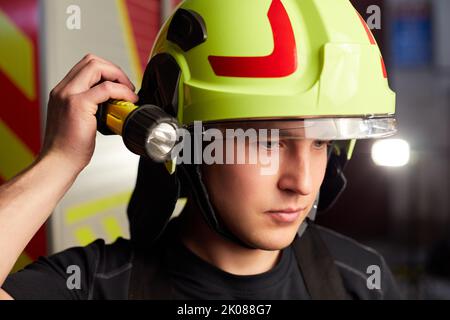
{"type": "Point", "coordinates": [321, 144]}
{"type": "Point", "coordinates": [269, 145]}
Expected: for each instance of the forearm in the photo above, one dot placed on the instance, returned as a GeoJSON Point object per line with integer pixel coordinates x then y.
{"type": "Point", "coordinates": [27, 201]}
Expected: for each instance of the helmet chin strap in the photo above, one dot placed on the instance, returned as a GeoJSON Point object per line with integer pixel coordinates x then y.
{"type": "Point", "coordinates": [310, 217]}
{"type": "Point", "coordinates": [191, 174]}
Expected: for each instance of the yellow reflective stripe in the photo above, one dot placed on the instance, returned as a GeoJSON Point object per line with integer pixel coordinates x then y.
{"type": "Point", "coordinates": [21, 262]}
{"type": "Point", "coordinates": [84, 235]}
{"type": "Point", "coordinates": [16, 56]}
{"type": "Point", "coordinates": [14, 154]}
{"type": "Point", "coordinates": [130, 42]}
{"type": "Point", "coordinates": [112, 228]}
{"type": "Point", "coordinates": [351, 148]}
{"type": "Point", "coordinates": [89, 209]}
{"type": "Point", "coordinates": [179, 206]}
{"type": "Point", "coordinates": [171, 165]}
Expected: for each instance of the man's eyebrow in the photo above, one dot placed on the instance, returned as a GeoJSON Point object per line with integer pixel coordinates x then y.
{"type": "Point", "coordinates": [289, 133]}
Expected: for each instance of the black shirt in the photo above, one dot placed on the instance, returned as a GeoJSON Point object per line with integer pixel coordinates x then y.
{"type": "Point", "coordinates": [105, 272]}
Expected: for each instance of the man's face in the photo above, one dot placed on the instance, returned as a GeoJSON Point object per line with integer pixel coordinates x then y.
{"type": "Point", "coordinates": [266, 211]}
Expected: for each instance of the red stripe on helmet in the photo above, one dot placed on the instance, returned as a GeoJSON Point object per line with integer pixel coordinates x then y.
{"type": "Point", "coordinates": [383, 66]}
{"type": "Point", "coordinates": [373, 42]}
{"type": "Point", "coordinates": [280, 63]}
{"type": "Point", "coordinates": [366, 27]}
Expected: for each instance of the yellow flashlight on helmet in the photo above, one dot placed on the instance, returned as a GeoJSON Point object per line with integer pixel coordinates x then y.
{"type": "Point", "coordinates": [146, 130]}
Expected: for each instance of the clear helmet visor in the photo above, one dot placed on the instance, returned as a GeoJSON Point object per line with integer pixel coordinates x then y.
{"type": "Point", "coordinates": [314, 128]}
{"type": "Point", "coordinates": [265, 142]}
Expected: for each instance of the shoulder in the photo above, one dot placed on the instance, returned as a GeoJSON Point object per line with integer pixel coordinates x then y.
{"type": "Point", "coordinates": [110, 259]}
{"type": "Point", "coordinates": [98, 258]}
{"type": "Point", "coordinates": [90, 270]}
{"type": "Point", "coordinates": [347, 251]}
{"type": "Point", "coordinates": [360, 267]}
{"type": "Point", "coordinates": [112, 270]}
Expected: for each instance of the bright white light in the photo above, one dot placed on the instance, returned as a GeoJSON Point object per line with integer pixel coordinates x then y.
{"type": "Point", "coordinates": [391, 152]}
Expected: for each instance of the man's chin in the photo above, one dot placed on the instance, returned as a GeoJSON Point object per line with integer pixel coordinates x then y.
{"type": "Point", "coordinates": [272, 242]}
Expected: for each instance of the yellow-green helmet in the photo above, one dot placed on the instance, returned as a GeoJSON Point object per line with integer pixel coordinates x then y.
{"type": "Point", "coordinates": [266, 59]}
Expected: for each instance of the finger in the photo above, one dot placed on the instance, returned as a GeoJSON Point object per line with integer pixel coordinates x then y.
{"type": "Point", "coordinates": [80, 65]}
{"type": "Point", "coordinates": [76, 68]}
{"type": "Point", "coordinates": [109, 90]}
{"type": "Point", "coordinates": [92, 73]}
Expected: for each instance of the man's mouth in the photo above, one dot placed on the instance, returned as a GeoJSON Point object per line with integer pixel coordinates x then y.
{"type": "Point", "coordinates": [286, 215]}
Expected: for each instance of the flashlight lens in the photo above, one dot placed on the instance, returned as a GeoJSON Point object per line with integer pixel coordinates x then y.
{"type": "Point", "coordinates": [161, 141]}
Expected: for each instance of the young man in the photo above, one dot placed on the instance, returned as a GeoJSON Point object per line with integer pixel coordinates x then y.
{"type": "Point", "coordinates": [309, 72]}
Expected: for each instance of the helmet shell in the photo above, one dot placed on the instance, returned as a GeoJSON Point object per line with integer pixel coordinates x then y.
{"type": "Point", "coordinates": [265, 59]}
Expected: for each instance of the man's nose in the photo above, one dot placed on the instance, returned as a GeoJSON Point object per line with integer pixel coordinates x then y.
{"type": "Point", "coordinates": [296, 174]}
